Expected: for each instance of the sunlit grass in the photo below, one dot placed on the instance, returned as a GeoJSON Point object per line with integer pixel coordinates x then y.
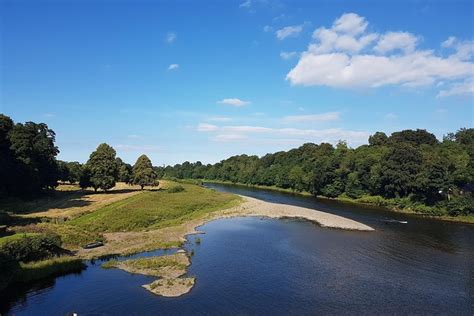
{"type": "Point", "coordinates": [158, 209]}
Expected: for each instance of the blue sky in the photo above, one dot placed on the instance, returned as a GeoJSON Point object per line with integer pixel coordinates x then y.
{"type": "Point", "coordinates": [204, 80]}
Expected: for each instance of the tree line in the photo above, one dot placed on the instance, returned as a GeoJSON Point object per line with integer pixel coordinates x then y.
{"type": "Point", "coordinates": [28, 163]}
{"type": "Point", "coordinates": [411, 167]}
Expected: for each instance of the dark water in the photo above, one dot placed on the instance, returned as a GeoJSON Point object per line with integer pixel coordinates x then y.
{"type": "Point", "coordinates": [249, 266]}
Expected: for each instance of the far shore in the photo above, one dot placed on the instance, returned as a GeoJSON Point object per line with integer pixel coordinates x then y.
{"type": "Point", "coordinates": [454, 219]}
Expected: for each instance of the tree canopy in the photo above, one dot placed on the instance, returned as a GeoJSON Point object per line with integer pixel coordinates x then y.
{"type": "Point", "coordinates": [410, 164]}
{"type": "Point", "coordinates": [143, 173]}
{"type": "Point", "coordinates": [101, 170]}
{"type": "Point", "coordinates": [27, 157]}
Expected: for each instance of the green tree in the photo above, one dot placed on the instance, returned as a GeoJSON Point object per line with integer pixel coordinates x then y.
{"type": "Point", "coordinates": [378, 139]}
{"type": "Point", "coordinates": [124, 171]}
{"type": "Point", "coordinates": [33, 147]}
{"type": "Point", "coordinates": [400, 167]}
{"type": "Point", "coordinates": [102, 168]}
{"type": "Point", "coordinates": [75, 171]}
{"type": "Point", "coordinates": [143, 173]}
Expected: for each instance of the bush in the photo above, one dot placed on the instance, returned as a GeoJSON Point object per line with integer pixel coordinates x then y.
{"type": "Point", "coordinates": [32, 247]}
{"type": "Point", "coordinates": [176, 189]}
{"type": "Point", "coordinates": [462, 205]}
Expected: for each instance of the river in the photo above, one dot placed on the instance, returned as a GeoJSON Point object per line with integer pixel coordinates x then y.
{"type": "Point", "coordinates": [254, 266]}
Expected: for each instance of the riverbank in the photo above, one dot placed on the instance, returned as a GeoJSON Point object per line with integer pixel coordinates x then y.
{"type": "Point", "coordinates": [150, 220]}
{"type": "Point", "coordinates": [126, 243]}
{"type": "Point", "coordinates": [377, 201]}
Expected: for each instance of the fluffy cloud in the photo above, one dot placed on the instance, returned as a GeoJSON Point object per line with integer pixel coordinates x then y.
{"type": "Point", "coordinates": [234, 102]}
{"type": "Point", "coordinates": [347, 55]}
{"type": "Point", "coordinates": [173, 67]}
{"type": "Point", "coordinates": [396, 41]}
{"type": "Point", "coordinates": [460, 88]}
{"type": "Point", "coordinates": [242, 132]}
{"type": "Point", "coordinates": [324, 117]}
{"type": "Point", "coordinates": [289, 31]}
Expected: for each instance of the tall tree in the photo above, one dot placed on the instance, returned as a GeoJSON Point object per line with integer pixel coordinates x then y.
{"type": "Point", "coordinates": [33, 146]}
{"type": "Point", "coordinates": [143, 173]}
{"type": "Point", "coordinates": [102, 168]}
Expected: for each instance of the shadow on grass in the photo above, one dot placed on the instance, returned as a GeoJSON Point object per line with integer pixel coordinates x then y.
{"type": "Point", "coordinates": [58, 200]}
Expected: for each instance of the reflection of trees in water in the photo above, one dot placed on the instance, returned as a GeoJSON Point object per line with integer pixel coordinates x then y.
{"type": "Point", "coordinates": [17, 294]}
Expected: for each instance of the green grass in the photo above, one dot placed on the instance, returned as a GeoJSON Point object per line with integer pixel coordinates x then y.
{"type": "Point", "coordinates": [46, 268]}
{"type": "Point", "coordinates": [150, 263]}
{"type": "Point", "coordinates": [17, 236]}
{"type": "Point", "coordinates": [151, 210]}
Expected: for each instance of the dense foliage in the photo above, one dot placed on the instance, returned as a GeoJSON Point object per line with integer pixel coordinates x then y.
{"type": "Point", "coordinates": [27, 157]}
{"type": "Point", "coordinates": [101, 170]}
{"type": "Point", "coordinates": [143, 173]}
{"type": "Point", "coordinates": [32, 248]}
{"type": "Point", "coordinates": [411, 166]}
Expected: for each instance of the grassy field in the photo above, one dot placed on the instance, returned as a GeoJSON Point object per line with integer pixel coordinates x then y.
{"type": "Point", "coordinates": [81, 217]}
{"type": "Point", "coordinates": [152, 210]}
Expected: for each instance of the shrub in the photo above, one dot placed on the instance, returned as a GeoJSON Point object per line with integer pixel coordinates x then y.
{"type": "Point", "coordinates": [32, 247]}
{"type": "Point", "coordinates": [176, 189]}
{"type": "Point", "coordinates": [462, 205]}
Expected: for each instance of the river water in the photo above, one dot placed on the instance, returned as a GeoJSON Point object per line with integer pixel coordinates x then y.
{"type": "Point", "coordinates": [254, 266]}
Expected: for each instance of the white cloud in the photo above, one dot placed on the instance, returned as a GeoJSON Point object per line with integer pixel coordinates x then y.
{"type": "Point", "coordinates": [246, 4]}
{"type": "Point", "coordinates": [331, 135]}
{"type": "Point", "coordinates": [204, 127]}
{"type": "Point", "coordinates": [173, 67]}
{"type": "Point", "coordinates": [170, 37]}
{"type": "Point", "coordinates": [449, 42]}
{"type": "Point", "coordinates": [347, 55]}
{"type": "Point", "coordinates": [234, 102]}
{"type": "Point", "coordinates": [288, 55]}
{"type": "Point", "coordinates": [460, 88]}
{"type": "Point", "coordinates": [289, 31]}
{"type": "Point", "coordinates": [228, 137]}
{"type": "Point", "coordinates": [324, 117]}
{"type": "Point", "coordinates": [350, 23]}
{"type": "Point", "coordinates": [396, 40]}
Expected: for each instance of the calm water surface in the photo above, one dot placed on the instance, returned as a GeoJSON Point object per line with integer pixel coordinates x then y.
{"type": "Point", "coordinates": [253, 266]}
